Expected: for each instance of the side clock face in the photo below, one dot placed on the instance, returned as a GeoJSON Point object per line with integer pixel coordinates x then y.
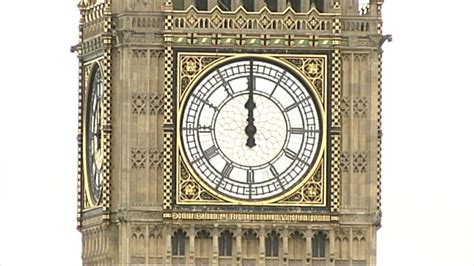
{"type": "Point", "coordinates": [94, 165]}
{"type": "Point", "coordinates": [250, 130]}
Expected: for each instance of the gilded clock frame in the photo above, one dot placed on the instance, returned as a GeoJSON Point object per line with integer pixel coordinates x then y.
{"type": "Point", "coordinates": [90, 69]}
{"type": "Point", "coordinates": [185, 173]}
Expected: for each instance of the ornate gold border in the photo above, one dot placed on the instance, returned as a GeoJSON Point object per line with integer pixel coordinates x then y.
{"type": "Point", "coordinates": [89, 67]}
{"type": "Point", "coordinates": [185, 170]}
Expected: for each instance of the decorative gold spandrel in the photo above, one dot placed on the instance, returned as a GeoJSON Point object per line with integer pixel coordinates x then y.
{"type": "Point", "coordinates": [189, 190]}
{"type": "Point", "coordinates": [191, 66]}
{"type": "Point", "coordinates": [313, 68]}
{"type": "Point", "coordinates": [312, 192]}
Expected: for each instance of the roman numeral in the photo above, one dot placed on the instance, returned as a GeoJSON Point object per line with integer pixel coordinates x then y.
{"type": "Point", "coordinates": [278, 83]}
{"type": "Point", "coordinates": [296, 104]}
{"type": "Point", "coordinates": [298, 130]}
{"type": "Point", "coordinates": [227, 169]}
{"type": "Point", "coordinates": [227, 86]}
{"type": "Point", "coordinates": [273, 170]}
{"type": "Point", "coordinates": [211, 152]}
{"type": "Point", "coordinates": [290, 154]}
{"type": "Point", "coordinates": [250, 177]}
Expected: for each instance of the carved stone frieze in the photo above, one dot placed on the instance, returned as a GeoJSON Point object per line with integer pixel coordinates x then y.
{"type": "Point", "coordinates": [147, 103]}
{"type": "Point", "coordinates": [357, 106]}
{"type": "Point", "coordinates": [360, 106]}
{"type": "Point", "coordinates": [359, 164]}
{"type": "Point", "coordinates": [355, 162]}
{"type": "Point", "coordinates": [138, 158]}
{"type": "Point", "coordinates": [345, 162]}
{"type": "Point", "coordinates": [142, 158]}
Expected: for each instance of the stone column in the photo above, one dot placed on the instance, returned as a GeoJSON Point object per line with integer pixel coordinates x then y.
{"type": "Point", "coordinates": [332, 247]}
{"type": "Point", "coordinates": [168, 232]}
{"type": "Point", "coordinates": [238, 242]}
{"type": "Point", "coordinates": [215, 245]}
{"type": "Point", "coordinates": [308, 236]}
{"type": "Point", "coordinates": [261, 236]}
{"type": "Point", "coordinates": [192, 247]}
{"type": "Point", "coordinates": [284, 236]}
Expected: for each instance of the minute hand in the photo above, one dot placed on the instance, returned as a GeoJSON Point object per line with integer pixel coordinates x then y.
{"type": "Point", "coordinates": [250, 129]}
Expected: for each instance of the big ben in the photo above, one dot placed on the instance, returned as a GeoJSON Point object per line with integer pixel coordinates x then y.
{"type": "Point", "coordinates": [222, 132]}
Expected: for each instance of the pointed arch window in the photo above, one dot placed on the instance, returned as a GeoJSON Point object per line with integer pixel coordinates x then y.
{"type": "Point", "coordinates": [178, 243]}
{"type": "Point", "coordinates": [296, 5]}
{"type": "Point", "coordinates": [225, 5]}
{"type": "Point", "coordinates": [201, 4]}
{"type": "Point", "coordinates": [319, 4]}
{"type": "Point", "coordinates": [272, 5]}
{"type": "Point", "coordinates": [249, 5]}
{"type": "Point", "coordinates": [318, 245]}
{"type": "Point", "coordinates": [225, 243]}
{"type": "Point", "coordinates": [272, 244]}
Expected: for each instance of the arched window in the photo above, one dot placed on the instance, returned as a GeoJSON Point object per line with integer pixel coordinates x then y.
{"type": "Point", "coordinates": [296, 245]}
{"type": "Point", "coordinates": [250, 244]}
{"type": "Point", "coordinates": [178, 241]}
{"type": "Point", "coordinates": [296, 5]}
{"type": "Point", "coordinates": [272, 5]}
{"type": "Point", "coordinates": [249, 5]}
{"type": "Point", "coordinates": [319, 4]}
{"type": "Point", "coordinates": [272, 244]}
{"type": "Point", "coordinates": [203, 244]}
{"type": "Point", "coordinates": [178, 4]}
{"type": "Point", "coordinates": [225, 243]}
{"type": "Point", "coordinates": [225, 5]}
{"type": "Point", "coordinates": [318, 245]}
{"type": "Point", "coordinates": [201, 4]}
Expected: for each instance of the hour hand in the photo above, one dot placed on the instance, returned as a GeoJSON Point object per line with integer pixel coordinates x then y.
{"type": "Point", "coordinates": [250, 129]}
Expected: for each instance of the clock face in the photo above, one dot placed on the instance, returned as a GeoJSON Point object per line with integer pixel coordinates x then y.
{"type": "Point", "coordinates": [94, 158]}
{"type": "Point", "coordinates": [250, 130]}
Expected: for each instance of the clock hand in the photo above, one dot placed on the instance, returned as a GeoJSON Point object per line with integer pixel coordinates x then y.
{"type": "Point", "coordinates": [250, 129]}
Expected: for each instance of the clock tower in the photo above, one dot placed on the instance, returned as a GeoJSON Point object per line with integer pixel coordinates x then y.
{"type": "Point", "coordinates": [229, 132]}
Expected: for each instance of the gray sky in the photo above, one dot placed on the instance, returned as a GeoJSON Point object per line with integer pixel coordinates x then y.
{"type": "Point", "coordinates": [428, 144]}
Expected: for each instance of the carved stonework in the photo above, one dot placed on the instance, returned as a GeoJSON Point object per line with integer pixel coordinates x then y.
{"type": "Point", "coordinates": [139, 102]}
{"type": "Point", "coordinates": [345, 162]}
{"type": "Point", "coordinates": [138, 158]}
{"type": "Point", "coordinates": [360, 106]}
{"type": "Point", "coordinates": [144, 103]}
{"type": "Point", "coordinates": [359, 164]}
{"type": "Point", "coordinates": [345, 106]}
{"type": "Point", "coordinates": [142, 157]}
{"type": "Point", "coordinates": [156, 104]}
{"type": "Point", "coordinates": [355, 162]}
{"type": "Point", "coordinates": [155, 159]}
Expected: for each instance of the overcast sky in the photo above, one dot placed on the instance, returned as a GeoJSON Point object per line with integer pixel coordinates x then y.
{"type": "Point", "coordinates": [428, 143]}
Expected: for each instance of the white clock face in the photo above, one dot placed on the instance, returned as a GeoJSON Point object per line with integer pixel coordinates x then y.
{"type": "Point", "coordinates": [250, 130]}
{"type": "Point", "coordinates": [94, 136]}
